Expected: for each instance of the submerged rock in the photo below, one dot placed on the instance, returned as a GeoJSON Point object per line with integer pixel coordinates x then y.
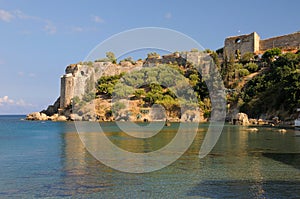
{"type": "Point", "coordinates": [282, 131]}
{"type": "Point", "coordinates": [252, 129]}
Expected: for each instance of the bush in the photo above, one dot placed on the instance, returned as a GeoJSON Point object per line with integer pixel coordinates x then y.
{"type": "Point", "coordinates": [269, 55]}
{"type": "Point", "coordinates": [139, 93]}
{"type": "Point", "coordinates": [117, 106]}
{"type": "Point", "coordinates": [243, 72]}
{"type": "Point", "coordinates": [75, 100]}
{"type": "Point", "coordinates": [129, 59]}
{"type": "Point", "coordinates": [238, 66]}
{"type": "Point", "coordinates": [247, 57]}
{"type": "Point", "coordinates": [251, 67]}
{"type": "Point", "coordinates": [111, 57]}
{"type": "Point", "coordinates": [89, 97]}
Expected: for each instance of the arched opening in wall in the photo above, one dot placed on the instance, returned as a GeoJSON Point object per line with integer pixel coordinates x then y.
{"type": "Point", "coordinates": [238, 40]}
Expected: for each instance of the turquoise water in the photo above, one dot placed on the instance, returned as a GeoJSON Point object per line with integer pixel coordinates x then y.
{"type": "Point", "coordinates": [48, 160]}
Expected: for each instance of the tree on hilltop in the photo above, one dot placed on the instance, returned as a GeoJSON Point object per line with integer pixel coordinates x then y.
{"type": "Point", "coordinates": [111, 57]}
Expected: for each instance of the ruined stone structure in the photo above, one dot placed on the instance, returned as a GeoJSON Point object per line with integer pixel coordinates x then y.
{"type": "Point", "coordinates": [239, 45]}
{"type": "Point", "coordinates": [66, 90]}
{"type": "Point", "coordinates": [79, 78]}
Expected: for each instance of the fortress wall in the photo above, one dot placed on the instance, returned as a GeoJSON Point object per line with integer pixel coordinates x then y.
{"type": "Point", "coordinates": [243, 43]}
{"type": "Point", "coordinates": [290, 41]}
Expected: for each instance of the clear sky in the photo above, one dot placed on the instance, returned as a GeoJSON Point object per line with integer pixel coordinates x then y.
{"type": "Point", "coordinates": [40, 38]}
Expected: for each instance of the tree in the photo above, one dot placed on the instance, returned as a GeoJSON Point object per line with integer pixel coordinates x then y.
{"type": "Point", "coordinates": [269, 55]}
{"type": "Point", "coordinates": [111, 57]}
{"type": "Point", "coordinates": [247, 57]}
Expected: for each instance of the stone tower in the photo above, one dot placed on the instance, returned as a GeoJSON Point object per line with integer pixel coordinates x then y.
{"type": "Point", "coordinates": [242, 44]}
{"type": "Point", "coordinates": [66, 90]}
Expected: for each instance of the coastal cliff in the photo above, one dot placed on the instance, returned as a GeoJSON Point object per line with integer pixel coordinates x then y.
{"type": "Point", "coordinates": [260, 86]}
{"type": "Point", "coordinates": [87, 91]}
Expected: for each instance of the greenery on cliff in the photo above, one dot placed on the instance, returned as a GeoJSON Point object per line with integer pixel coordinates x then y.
{"type": "Point", "coordinates": [166, 85]}
{"type": "Point", "coordinates": [274, 90]}
{"type": "Point", "coordinates": [267, 85]}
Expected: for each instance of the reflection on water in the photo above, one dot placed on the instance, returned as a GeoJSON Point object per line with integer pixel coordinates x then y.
{"type": "Point", "coordinates": [49, 160]}
{"type": "Point", "coordinates": [237, 167]}
{"type": "Point", "coordinates": [246, 189]}
{"type": "Point", "coordinates": [292, 159]}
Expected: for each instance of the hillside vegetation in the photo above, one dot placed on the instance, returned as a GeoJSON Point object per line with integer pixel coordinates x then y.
{"type": "Point", "coordinates": [274, 90]}
{"type": "Point", "coordinates": [265, 86]}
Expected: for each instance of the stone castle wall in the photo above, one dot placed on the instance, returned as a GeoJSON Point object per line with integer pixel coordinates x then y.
{"type": "Point", "coordinates": [290, 41]}
{"type": "Point", "coordinates": [241, 43]}
{"type": "Point", "coordinates": [252, 43]}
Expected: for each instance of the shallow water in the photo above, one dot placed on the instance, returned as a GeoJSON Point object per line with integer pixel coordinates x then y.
{"type": "Point", "coordinates": [47, 159]}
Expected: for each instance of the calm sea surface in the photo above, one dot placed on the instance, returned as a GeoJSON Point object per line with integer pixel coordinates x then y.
{"type": "Point", "coordinates": [47, 160]}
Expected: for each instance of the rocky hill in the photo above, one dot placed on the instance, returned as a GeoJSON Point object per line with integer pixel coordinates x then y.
{"type": "Point", "coordinates": [264, 86]}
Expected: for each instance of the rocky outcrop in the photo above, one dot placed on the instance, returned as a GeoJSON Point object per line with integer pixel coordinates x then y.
{"type": "Point", "coordinates": [37, 116]}
{"type": "Point", "coordinates": [78, 81]}
{"type": "Point", "coordinates": [241, 119]}
{"type": "Point", "coordinates": [43, 117]}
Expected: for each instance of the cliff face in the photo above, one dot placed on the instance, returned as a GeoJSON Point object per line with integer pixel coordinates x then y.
{"type": "Point", "coordinates": [79, 80]}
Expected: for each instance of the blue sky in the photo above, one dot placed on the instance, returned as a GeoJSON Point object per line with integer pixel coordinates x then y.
{"type": "Point", "coordinates": [40, 38]}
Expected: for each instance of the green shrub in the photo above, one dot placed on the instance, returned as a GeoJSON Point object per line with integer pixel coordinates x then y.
{"type": "Point", "coordinates": [270, 54]}
{"type": "Point", "coordinates": [247, 57]}
{"type": "Point", "coordinates": [243, 72]}
{"type": "Point", "coordinates": [117, 106]}
{"type": "Point", "coordinates": [251, 67]}
{"type": "Point", "coordinates": [88, 97]}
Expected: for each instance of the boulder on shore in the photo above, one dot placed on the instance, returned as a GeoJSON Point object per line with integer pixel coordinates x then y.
{"type": "Point", "coordinates": [241, 119]}
{"type": "Point", "coordinates": [61, 118]}
{"type": "Point", "coordinates": [75, 117]}
{"type": "Point", "coordinates": [37, 116]}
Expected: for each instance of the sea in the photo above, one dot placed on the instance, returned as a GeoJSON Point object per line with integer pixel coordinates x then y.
{"type": "Point", "coordinates": [44, 159]}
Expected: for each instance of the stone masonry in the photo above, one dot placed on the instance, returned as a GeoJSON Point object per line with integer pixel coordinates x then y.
{"type": "Point", "coordinates": [252, 43]}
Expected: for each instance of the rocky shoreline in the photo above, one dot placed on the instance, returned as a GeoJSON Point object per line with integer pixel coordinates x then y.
{"type": "Point", "coordinates": [238, 119]}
